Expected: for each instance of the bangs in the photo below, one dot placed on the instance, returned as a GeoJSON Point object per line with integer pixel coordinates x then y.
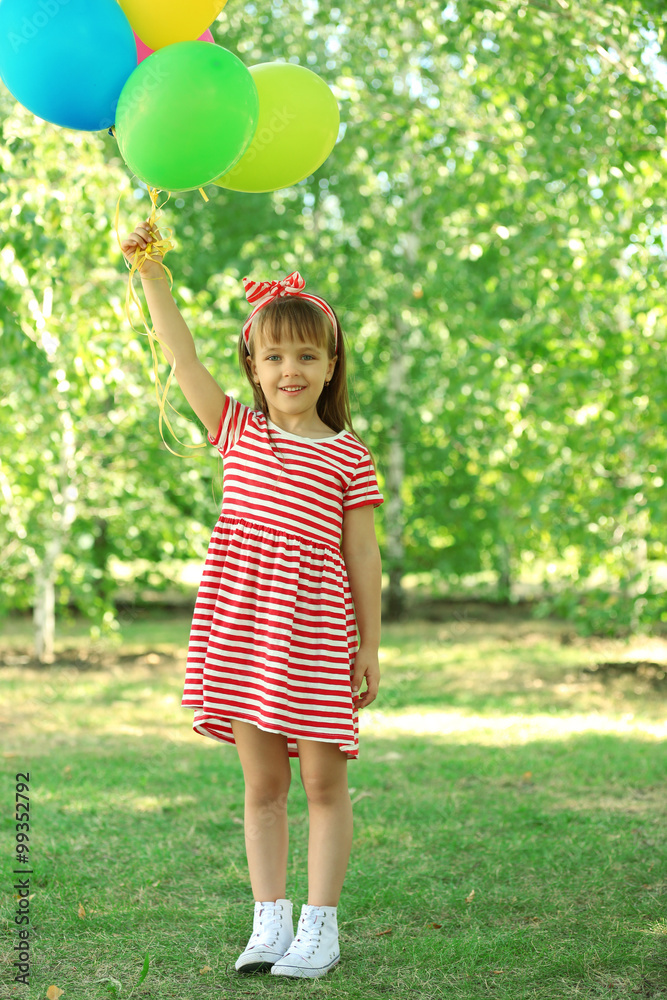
{"type": "Point", "coordinates": [291, 321]}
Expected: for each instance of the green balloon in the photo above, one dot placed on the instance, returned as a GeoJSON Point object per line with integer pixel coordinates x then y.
{"type": "Point", "coordinates": [296, 131]}
{"type": "Point", "coordinates": [185, 115]}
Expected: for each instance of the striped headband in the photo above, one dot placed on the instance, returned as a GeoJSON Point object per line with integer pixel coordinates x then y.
{"type": "Point", "coordinates": [260, 293]}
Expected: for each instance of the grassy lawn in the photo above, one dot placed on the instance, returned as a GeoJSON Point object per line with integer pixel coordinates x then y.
{"type": "Point", "coordinates": [510, 821]}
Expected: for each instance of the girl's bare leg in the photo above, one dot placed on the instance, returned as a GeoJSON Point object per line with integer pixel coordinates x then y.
{"type": "Point", "coordinates": [267, 775]}
{"type": "Point", "coordinates": [324, 777]}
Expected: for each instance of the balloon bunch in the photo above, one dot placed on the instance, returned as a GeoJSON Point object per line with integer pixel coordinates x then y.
{"type": "Point", "coordinates": [186, 112]}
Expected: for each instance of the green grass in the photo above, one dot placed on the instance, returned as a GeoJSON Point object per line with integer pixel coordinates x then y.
{"type": "Point", "coordinates": [510, 824]}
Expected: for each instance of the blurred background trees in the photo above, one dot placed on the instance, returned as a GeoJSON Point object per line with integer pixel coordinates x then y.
{"type": "Point", "coordinates": [489, 227]}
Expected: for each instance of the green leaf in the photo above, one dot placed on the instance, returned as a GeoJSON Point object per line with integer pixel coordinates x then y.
{"type": "Point", "coordinates": [144, 971]}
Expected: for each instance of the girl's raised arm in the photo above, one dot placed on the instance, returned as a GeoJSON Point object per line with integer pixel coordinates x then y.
{"type": "Point", "coordinates": [199, 387]}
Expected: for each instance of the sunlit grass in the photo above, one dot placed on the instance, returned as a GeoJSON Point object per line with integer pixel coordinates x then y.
{"type": "Point", "coordinates": [507, 729]}
{"type": "Point", "coordinates": [510, 822]}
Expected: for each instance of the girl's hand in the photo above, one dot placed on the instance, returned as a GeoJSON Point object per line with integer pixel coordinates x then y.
{"type": "Point", "coordinates": [366, 664]}
{"type": "Point", "coordinates": [144, 234]}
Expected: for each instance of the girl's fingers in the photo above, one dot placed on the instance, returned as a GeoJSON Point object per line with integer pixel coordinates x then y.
{"type": "Point", "coordinates": [141, 237]}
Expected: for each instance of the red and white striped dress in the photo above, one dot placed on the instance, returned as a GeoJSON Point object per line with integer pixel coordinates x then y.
{"type": "Point", "coordinates": [274, 634]}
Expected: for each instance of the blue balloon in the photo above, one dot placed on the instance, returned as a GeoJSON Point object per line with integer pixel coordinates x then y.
{"type": "Point", "coordinates": [67, 60]}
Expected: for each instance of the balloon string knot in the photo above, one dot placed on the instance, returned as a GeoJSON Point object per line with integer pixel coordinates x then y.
{"type": "Point", "coordinates": [154, 251]}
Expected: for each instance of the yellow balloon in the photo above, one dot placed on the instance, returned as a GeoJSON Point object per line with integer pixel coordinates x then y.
{"type": "Point", "coordinates": [163, 22]}
{"type": "Point", "coordinates": [296, 130]}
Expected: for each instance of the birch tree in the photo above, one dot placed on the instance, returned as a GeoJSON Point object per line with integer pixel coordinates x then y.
{"type": "Point", "coordinates": [490, 227]}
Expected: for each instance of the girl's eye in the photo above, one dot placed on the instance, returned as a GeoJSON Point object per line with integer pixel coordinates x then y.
{"type": "Point", "coordinates": [272, 356]}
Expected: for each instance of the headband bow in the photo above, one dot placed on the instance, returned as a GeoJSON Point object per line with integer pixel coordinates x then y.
{"type": "Point", "coordinates": [260, 293]}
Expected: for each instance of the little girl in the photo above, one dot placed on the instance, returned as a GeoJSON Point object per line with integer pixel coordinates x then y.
{"type": "Point", "coordinates": [274, 663]}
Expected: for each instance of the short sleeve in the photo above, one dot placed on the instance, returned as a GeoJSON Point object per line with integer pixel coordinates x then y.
{"type": "Point", "coordinates": [362, 488]}
{"type": "Point", "coordinates": [233, 422]}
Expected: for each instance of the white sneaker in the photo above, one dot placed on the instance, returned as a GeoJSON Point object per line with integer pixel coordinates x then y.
{"type": "Point", "coordinates": [314, 950]}
{"type": "Point", "coordinates": [272, 934]}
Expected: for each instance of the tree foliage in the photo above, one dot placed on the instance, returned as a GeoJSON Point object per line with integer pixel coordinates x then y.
{"type": "Point", "coordinates": [488, 225]}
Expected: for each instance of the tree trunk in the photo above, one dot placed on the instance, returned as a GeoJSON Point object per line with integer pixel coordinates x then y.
{"type": "Point", "coordinates": [44, 611]}
{"type": "Point", "coordinates": [395, 515]}
{"type": "Point", "coordinates": [504, 550]}
{"type": "Point", "coordinates": [100, 558]}
{"type": "Point", "coordinates": [395, 526]}
{"type": "Point", "coordinates": [64, 493]}
{"type": "Point", "coordinates": [396, 401]}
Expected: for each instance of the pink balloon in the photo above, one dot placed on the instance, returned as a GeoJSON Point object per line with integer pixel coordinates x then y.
{"type": "Point", "coordinates": [143, 51]}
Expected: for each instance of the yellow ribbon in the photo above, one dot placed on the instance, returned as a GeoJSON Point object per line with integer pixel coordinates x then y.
{"type": "Point", "coordinates": [154, 251]}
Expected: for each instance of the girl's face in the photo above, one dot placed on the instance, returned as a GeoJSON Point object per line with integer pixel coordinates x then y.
{"type": "Point", "coordinates": [292, 375]}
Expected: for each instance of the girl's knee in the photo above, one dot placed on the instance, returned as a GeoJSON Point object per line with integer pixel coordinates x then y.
{"type": "Point", "coordinates": [323, 772]}
{"type": "Point", "coordinates": [324, 789]}
{"type": "Point", "coordinates": [268, 790]}
{"type": "Point", "coordinates": [265, 762]}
